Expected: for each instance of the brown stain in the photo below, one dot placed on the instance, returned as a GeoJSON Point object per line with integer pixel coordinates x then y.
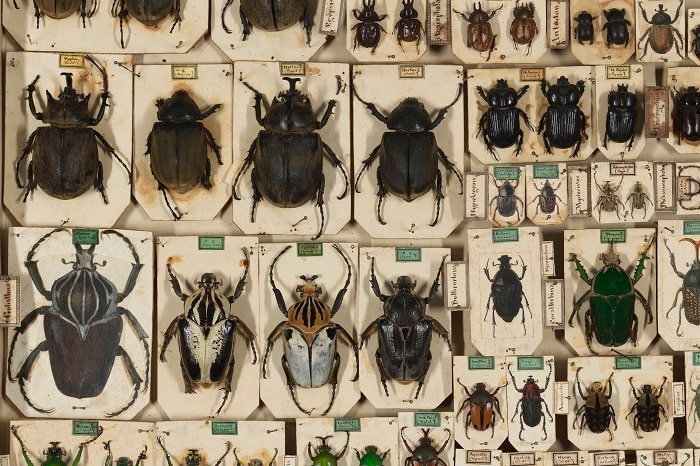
{"type": "Point", "coordinates": [174, 259]}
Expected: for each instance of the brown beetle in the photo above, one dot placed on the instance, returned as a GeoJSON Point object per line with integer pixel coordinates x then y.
{"type": "Point", "coordinates": [369, 31]}
{"type": "Point", "coordinates": [480, 37]}
{"type": "Point", "coordinates": [523, 28]}
{"type": "Point", "coordinates": [482, 405]}
{"type": "Point", "coordinates": [408, 28]}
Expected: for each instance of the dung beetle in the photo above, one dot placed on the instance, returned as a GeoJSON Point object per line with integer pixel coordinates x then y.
{"type": "Point", "coordinates": [481, 406]}
{"type": "Point", "coordinates": [408, 154]}
{"type": "Point", "coordinates": [288, 153]}
{"type": "Point", "coordinates": [686, 115]}
{"type": "Point", "coordinates": [506, 200]}
{"type": "Point", "coordinates": [275, 15]}
{"type": "Point", "coordinates": [696, 41]}
{"type": "Point", "coordinates": [55, 453]}
{"type": "Point", "coordinates": [370, 457]}
{"type": "Point", "coordinates": [523, 29]}
{"type": "Point", "coordinates": [480, 37]}
{"type": "Point", "coordinates": [409, 27]}
{"type": "Point", "coordinates": [255, 461]}
{"type": "Point", "coordinates": [65, 159]}
{"type": "Point", "coordinates": [403, 352]}
{"type": "Point", "coordinates": [60, 9]}
{"type": "Point", "coordinates": [178, 144]}
{"type": "Point", "coordinates": [616, 26]}
{"type": "Point", "coordinates": [206, 332]}
{"type": "Point", "coordinates": [500, 124]}
{"type": "Point", "coordinates": [611, 296]}
{"type": "Point", "coordinates": [564, 123]}
{"type": "Point", "coordinates": [147, 12]}
{"type": "Point", "coordinates": [647, 408]}
{"type": "Point", "coordinates": [369, 31]}
{"type": "Point", "coordinates": [123, 460]}
{"type": "Point", "coordinates": [660, 34]}
{"type": "Point", "coordinates": [506, 292]}
{"type": "Point", "coordinates": [425, 453]}
{"type": "Point", "coordinates": [639, 199]}
{"type": "Point", "coordinates": [621, 116]}
{"type": "Point", "coordinates": [608, 200]}
{"type": "Point", "coordinates": [310, 358]}
{"type": "Point", "coordinates": [324, 456]}
{"type": "Point", "coordinates": [84, 315]}
{"type": "Point", "coordinates": [583, 31]}
{"type": "Point", "coordinates": [689, 290]}
{"type": "Point", "coordinates": [531, 403]}
{"type": "Point", "coordinates": [596, 412]}
{"type": "Point", "coordinates": [546, 198]}
{"type": "Point", "coordinates": [193, 458]}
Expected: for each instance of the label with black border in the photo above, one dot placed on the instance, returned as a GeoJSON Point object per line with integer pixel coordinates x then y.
{"type": "Point", "coordinates": [85, 236]}
{"type": "Point", "coordinates": [347, 424]}
{"type": "Point", "coordinates": [210, 243]}
{"type": "Point", "coordinates": [10, 301]}
{"type": "Point", "coordinates": [184, 72]}
{"type": "Point", "coordinates": [86, 427]}
{"type": "Point", "coordinates": [309, 249]}
{"type": "Point", "coordinates": [224, 427]}
{"type": "Point", "coordinates": [71, 60]}
{"type": "Point", "coordinates": [292, 68]}
{"type": "Point", "coordinates": [408, 254]}
{"type": "Point", "coordinates": [426, 419]}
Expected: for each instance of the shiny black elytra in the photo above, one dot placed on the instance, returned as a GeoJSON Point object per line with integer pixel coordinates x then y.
{"type": "Point", "coordinates": [147, 12]}
{"type": "Point", "coordinates": [425, 454]}
{"type": "Point", "coordinates": [564, 123]}
{"type": "Point", "coordinates": [531, 403]}
{"type": "Point", "coordinates": [686, 116]}
{"type": "Point", "coordinates": [621, 117]}
{"type": "Point", "coordinates": [616, 27]}
{"type": "Point", "coordinates": [506, 292]}
{"type": "Point", "coordinates": [270, 15]}
{"type": "Point", "coordinates": [368, 31]}
{"type": "Point", "coordinates": [583, 31]}
{"type": "Point", "coordinates": [60, 9]}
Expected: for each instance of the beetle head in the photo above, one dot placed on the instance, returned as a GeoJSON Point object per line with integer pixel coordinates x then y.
{"type": "Point", "coordinates": [55, 451]}
{"type": "Point", "coordinates": [614, 14]}
{"type": "Point", "coordinates": [525, 11]}
{"type": "Point", "coordinates": [622, 98]}
{"type": "Point", "coordinates": [504, 261]}
{"type": "Point", "coordinates": [409, 116]}
{"type": "Point", "coordinates": [596, 387]}
{"type": "Point", "coordinates": [192, 458]}
{"type": "Point", "coordinates": [690, 97]}
{"type": "Point", "coordinates": [646, 388]}
{"type": "Point", "coordinates": [178, 108]}
{"type": "Point", "coordinates": [368, 14]}
{"type": "Point", "coordinates": [610, 257]}
{"type": "Point", "coordinates": [502, 96]}
{"type": "Point", "coordinates": [290, 111]}
{"type": "Point", "coordinates": [565, 93]}
{"type": "Point", "coordinates": [309, 288]}
{"type": "Point", "coordinates": [84, 258]}
{"type": "Point", "coordinates": [584, 18]}
{"type": "Point", "coordinates": [480, 386]}
{"type": "Point", "coordinates": [660, 17]}
{"type": "Point", "coordinates": [69, 108]}
{"type": "Point", "coordinates": [403, 283]}
{"type": "Point", "coordinates": [124, 461]}
{"type": "Point", "coordinates": [408, 12]}
{"type": "Point", "coordinates": [208, 281]}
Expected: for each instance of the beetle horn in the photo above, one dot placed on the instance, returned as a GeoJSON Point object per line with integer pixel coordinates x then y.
{"type": "Point", "coordinates": [449, 436]}
{"type": "Point", "coordinates": [694, 243]}
{"type": "Point", "coordinates": [292, 85]}
{"type": "Point", "coordinates": [69, 80]}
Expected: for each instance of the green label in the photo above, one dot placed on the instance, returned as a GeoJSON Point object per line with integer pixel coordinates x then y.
{"type": "Point", "coordinates": [613, 236]}
{"type": "Point", "coordinates": [481, 362]}
{"type": "Point", "coordinates": [546, 171]}
{"type": "Point", "coordinates": [506, 173]}
{"type": "Point", "coordinates": [86, 427]}
{"type": "Point", "coordinates": [213, 243]}
{"type": "Point", "coordinates": [346, 424]}
{"type": "Point", "coordinates": [408, 255]}
{"type": "Point", "coordinates": [691, 227]}
{"type": "Point", "coordinates": [309, 249]}
{"type": "Point", "coordinates": [504, 235]}
{"type": "Point", "coordinates": [224, 427]}
{"type": "Point", "coordinates": [535, 363]}
{"type": "Point", "coordinates": [426, 419]}
{"type": "Point", "coordinates": [696, 358]}
{"type": "Point", "coordinates": [628, 362]}
{"type": "Point", "coordinates": [85, 236]}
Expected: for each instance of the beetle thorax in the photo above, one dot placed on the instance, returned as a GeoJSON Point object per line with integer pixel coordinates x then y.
{"type": "Point", "coordinates": [524, 11]}
{"type": "Point", "coordinates": [661, 18]}
{"type": "Point", "coordinates": [207, 307]}
{"type": "Point", "coordinates": [124, 461]}
{"type": "Point", "coordinates": [290, 111]}
{"type": "Point", "coordinates": [611, 258]}
{"type": "Point", "coordinates": [69, 109]}
{"type": "Point", "coordinates": [409, 116]}
{"type": "Point", "coordinates": [614, 15]}
{"type": "Point", "coordinates": [404, 283]}
{"type": "Point", "coordinates": [478, 16]}
{"type": "Point", "coordinates": [309, 289]}
{"type": "Point", "coordinates": [54, 451]}
{"type": "Point", "coordinates": [563, 93]}
{"type": "Point", "coordinates": [691, 97]}
{"type": "Point", "coordinates": [178, 108]}
{"type": "Point", "coordinates": [424, 454]}
{"type": "Point", "coordinates": [596, 387]}
{"type": "Point", "coordinates": [502, 96]}
{"type": "Point", "coordinates": [192, 458]}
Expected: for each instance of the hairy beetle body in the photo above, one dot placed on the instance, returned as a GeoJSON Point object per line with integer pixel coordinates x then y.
{"type": "Point", "coordinates": [596, 412]}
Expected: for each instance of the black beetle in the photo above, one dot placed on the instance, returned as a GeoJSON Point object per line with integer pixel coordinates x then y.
{"type": "Point", "coordinates": [547, 197]}
{"type": "Point", "coordinates": [689, 290]}
{"type": "Point", "coordinates": [369, 31]}
{"type": "Point", "coordinates": [564, 123]}
{"type": "Point", "coordinates": [403, 351]}
{"type": "Point", "coordinates": [482, 405]}
{"type": "Point", "coordinates": [480, 37]}
{"type": "Point", "coordinates": [193, 458]}
{"type": "Point", "coordinates": [65, 159]}
{"type": "Point", "coordinates": [639, 199]}
{"type": "Point", "coordinates": [123, 460]}
{"type": "Point", "coordinates": [596, 412]}
{"type": "Point", "coordinates": [408, 153]}
{"type": "Point", "coordinates": [425, 453]}
{"type": "Point", "coordinates": [274, 15]}
{"type": "Point", "coordinates": [616, 26]}
{"type": "Point", "coordinates": [621, 116]}
{"type": "Point", "coordinates": [696, 41]}
{"type": "Point", "coordinates": [686, 116]}
{"type": "Point", "coordinates": [147, 12]}
{"type": "Point", "coordinates": [695, 401]}
{"type": "Point", "coordinates": [531, 403]}
{"type": "Point", "coordinates": [288, 153]}
{"type": "Point", "coordinates": [409, 27]}
{"type": "Point", "coordinates": [647, 408]}
{"type": "Point", "coordinates": [206, 332]}
{"type": "Point", "coordinates": [506, 200]}
{"type": "Point", "coordinates": [84, 315]}
{"type": "Point", "coordinates": [500, 124]}
{"type": "Point", "coordinates": [59, 9]}
{"type": "Point", "coordinates": [178, 144]}
{"type": "Point", "coordinates": [506, 292]}
{"type": "Point", "coordinates": [584, 27]}
{"type": "Point", "coordinates": [660, 34]}
{"type": "Point", "coordinates": [55, 453]}
{"type": "Point", "coordinates": [523, 29]}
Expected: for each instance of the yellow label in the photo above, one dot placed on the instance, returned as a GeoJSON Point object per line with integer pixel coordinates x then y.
{"type": "Point", "coordinates": [183, 71]}
{"type": "Point", "coordinates": [618, 72]}
{"type": "Point", "coordinates": [293, 68]}
{"type": "Point", "coordinates": [531, 74]}
{"type": "Point", "coordinates": [411, 71]}
{"type": "Point", "coordinates": [67, 60]}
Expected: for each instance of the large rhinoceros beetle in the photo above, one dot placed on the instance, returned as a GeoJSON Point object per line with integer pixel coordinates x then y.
{"type": "Point", "coordinates": [60, 9]}
{"type": "Point", "coordinates": [206, 332]}
{"type": "Point", "coordinates": [660, 34]}
{"type": "Point", "coordinates": [193, 458]}
{"type": "Point", "coordinates": [408, 154]}
{"type": "Point", "coordinates": [368, 31]}
{"type": "Point", "coordinates": [425, 454]}
{"type": "Point", "coordinates": [178, 146]}
{"type": "Point", "coordinates": [564, 123]}
{"type": "Point", "coordinates": [480, 37]}
{"type": "Point", "coordinates": [288, 153]}
{"type": "Point", "coordinates": [147, 12]}
{"type": "Point", "coordinates": [123, 460]}
{"type": "Point", "coordinates": [65, 159]}
{"type": "Point", "coordinates": [621, 116]}
{"type": "Point", "coordinates": [274, 15]}
{"type": "Point", "coordinates": [54, 453]}
{"type": "Point", "coordinates": [83, 324]}
{"type": "Point", "coordinates": [686, 115]}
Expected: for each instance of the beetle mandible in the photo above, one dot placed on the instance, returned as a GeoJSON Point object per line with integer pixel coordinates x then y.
{"type": "Point", "coordinates": [621, 117]}
{"type": "Point", "coordinates": [480, 37]}
{"type": "Point", "coordinates": [324, 456]}
{"type": "Point", "coordinates": [639, 199]}
{"type": "Point", "coordinates": [54, 453]}
{"type": "Point", "coordinates": [686, 116]}
{"type": "Point", "coordinates": [531, 403]}
{"type": "Point", "coordinates": [123, 460]}
{"type": "Point", "coordinates": [369, 31]}
{"type": "Point", "coordinates": [616, 26]}
{"type": "Point", "coordinates": [608, 200]}
{"type": "Point", "coordinates": [546, 198]}
{"type": "Point", "coordinates": [409, 27]}
{"type": "Point", "coordinates": [689, 289]}
{"type": "Point", "coordinates": [523, 29]}
{"type": "Point", "coordinates": [275, 15]}
{"type": "Point", "coordinates": [506, 292]}
{"type": "Point", "coordinates": [660, 34]}
{"type": "Point", "coordinates": [255, 461]}
{"type": "Point", "coordinates": [193, 458]}
{"type": "Point", "coordinates": [596, 412]}
{"type": "Point", "coordinates": [564, 123]}
{"type": "Point", "coordinates": [370, 457]}
{"type": "Point", "coordinates": [481, 405]}
{"type": "Point", "coordinates": [506, 200]}
{"type": "Point", "coordinates": [147, 12]}
{"type": "Point", "coordinates": [425, 453]}
{"type": "Point", "coordinates": [583, 31]}
{"type": "Point", "coordinates": [60, 9]}
{"type": "Point", "coordinates": [647, 408]}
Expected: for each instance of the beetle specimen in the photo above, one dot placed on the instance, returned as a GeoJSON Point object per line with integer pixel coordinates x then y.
{"type": "Point", "coordinates": [408, 154]}
{"type": "Point", "coordinates": [660, 34]}
{"type": "Point", "coordinates": [481, 405]}
{"type": "Point", "coordinates": [288, 153]}
{"type": "Point", "coordinates": [409, 27]}
{"type": "Point", "coordinates": [546, 198]}
{"type": "Point", "coordinates": [506, 200]}
{"type": "Point", "coordinates": [65, 160]}
{"type": "Point", "coordinates": [54, 453]}
{"type": "Point", "coordinates": [691, 188]}
{"type": "Point", "coordinates": [403, 351]}
{"type": "Point", "coordinates": [523, 29]}
{"type": "Point", "coordinates": [270, 16]}
{"type": "Point", "coordinates": [531, 403]}
{"type": "Point", "coordinates": [206, 332]}
{"type": "Point", "coordinates": [59, 9]}
{"type": "Point", "coordinates": [564, 123]}
{"type": "Point", "coordinates": [686, 116]}
{"type": "Point", "coordinates": [584, 27]}
{"type": "Point", "coordinates": [506, 292]}
{"type": "Point", "coordinates": [639, 199]}
{"type": "Point", "coordinates": [611, 296]}
{"type": "Point", "coordinates": [696, 399]}
{"type": "Point", "coordinates": [480, 37]}
{"type": "Point", "coordinates": [500, 124]}
{"type": "Point", "coordinates": [193, 458]}
{"type": "Point", "coordinates": [621, 116]}
{"type": "Point", "coordinates": [425, 453]}
{"type": "Point", "coordinates": [369, 31]}
{"type": "Point", "coordinates": [147, 12]}
{"type": "Point", "coordinates": [255, 461]}
{"type": "Point", "coordinates": [123, 460]}
{"type": "Point", "coordinates": [689, 289]}
{"type": "Point", "coordinates": [178, 146]}
{"type": "Point", "coordinates": [647, 408]}
{"type": "Point", "coordinates": [370, 457]}
{"type": "Point", "coordinates": [596, 412]}
{"type": "Point", "coordinates": [616, 26]}
{"type": "Point", "coordinates": [608, 200]}
{"type": "Point", "coordinates": [84, 315]}
{"type": "Point", "coordinates": [310, 358]}
{"type": "Point", "coordinates": [323, 456]}
{"type": "Point", "coordinates": [696, 41]}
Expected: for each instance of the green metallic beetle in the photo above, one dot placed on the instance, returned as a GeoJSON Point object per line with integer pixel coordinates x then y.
{"type": "Point", "coordinates": [123, 460]}
{"type": "Point", "coordinates": [323, 456]}
{"type": "Point", "coordinates": [370, 457]}
{"type": "Point", "coordinates": [55, 453]}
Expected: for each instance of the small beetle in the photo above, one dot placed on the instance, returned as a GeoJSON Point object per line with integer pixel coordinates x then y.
{"type": "Point", "coordinates": [425, 453]}
{"type": "Point", "coordinates": [546, 198]}
{"type": "Point", "coordinates": [660, 34]}
{"type": "Point", "coordinates": [564, 123]}
{"type": "Point", "coordinates": [409, 27]}
{"type": "Point", "coordinates": [408, 154]}
{"type": "Point", "coordinates": [621, 116]}
{"type": "Point", "coordinates": [480, 37]}
{"type": "Point", "coordinates": [55, 453]}
{"type": "Point", "coordinates": [403, 352]}
{"type": "Point", "coordinates": [123, 460]}
{"type": "Point", "coordinates": [206, 332]}
{"type": "Point", "coordinates": [147, 12]}
{"type": "Point", "coordinates": [531, 403]}
{"type": "Point", "coordinates": [608, 200]}
{"type": "Point", "coordinates": [506, 292]}
{"type": "Point", "coordinates": [639, 199]}
{"type": "Point", "coordinates": [60, 9]}
{"type": "Point", "coordinates": [696, 41]}
{"type": "Point", "coordinates": [616, 26]}
{"type": "Point", "coordinates": [192, 458]}
{"type": "Point", "coordinates": [66, 162]}
{"type": "Point", "coordinates": [481, 407]}
{"type": "Point", "coordinates": [523, 29]}
{"type": "Point", "coordinates": [506, 200]}
{"type": "Point", "coordinates": [689, 290]}
{"type": "Point", "coordinates": [178, 146]}
{"type": "Point", "coordinates": [369, 31]}
{"type": "Point", "coordinates": [597, 412]}
{"type": "Point", "coordinates": [255, 461]}
{"type": "Point", "coordinates": [688, 187]}
{"type": "Point", "coordinates": [584, 29]}
{"type": "Point", "coordinates": [310, 358]}
{"type": "Point", "coordinates": [288, 153]}
{"type": "Point", "coordinates": [323, 456]}
{"type": "Point", "coordinates": [271, 16]}
{"type": "Point", "coordinates": [370, 457]}
{"type": "Point", "coordinates": [686, 116]}
{"type": "Point", "coordinates": [647, 407]}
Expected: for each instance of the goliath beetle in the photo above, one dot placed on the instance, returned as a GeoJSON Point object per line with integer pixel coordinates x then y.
{"type": "Point", "coordinates": [276, 15]}
{"type": "Point", "coordinates": [193, 458]}
{"type": "Point", "coordinates": [647, 407]}
{"type": "Point", "coordinates": [481, 407]}
{"type": "Point", "coordinates": [597, 412]}
{"type": "Point", "coordinates": [583, 31]}
{"type": "Point", "coordinates": [370, 457]}
{"type": "Point", "coordinates": [660, 34]}
{"type": "Point", "coordinates": [206, 332]}
{"type": "Point", "coordinates": [612, 295]}
{"type": "Point", "coordinates": [60, 9]}
{"type": "Point", "coordinates": [55, 453]}
{"type": "Point", "coordinates": [123, 460]}
{"type": "Point", "coordinates": [616, 26]}
{"type": "Point", "coordinates": [425, 453]}
{"type": "Point", "coordinates": [621, 116]}
{"type": "Point", "coordinates": [403, 352]}
{"type": "Point", "coordinates": [523, 29]}
{"type": "Point", "coordinates": [608, 200]}
{"type": "Point", "coordinates": [686, 115]}
{"type": "Point", "coordinates": [531, 403]}
{"type": "Point", "coordinates": [564, 123]}
{"type": "Point", "coordinates": [369, 31]}
{"type": "Point", "coordinates": [500, 124]}
{"type": "Point", "coordinates": [65, 158]}
{"type": "Point", "coordinates": [546, 198]}
{"type": "Point", "coordinates": [178, 144]}
{"type": "Point", "coordinates": [639, 199]}
{"type": "Point", "coordinates": [84, 315]}
{"type": "Point", "coordinates": [506, 292]}
{"type": "Point", "coordinates": [506, 200]}
{"type": "Point", "coordinates": [409, 27]}
{"type": "Point", "coordinates": [696, 399]}
{"type": "Point", "coordinates": [323, 456]}
{"type": "Point", "coordinates": [689, 289]}
{"type": "Point", "coordinates": [408, 154]}
{"type": "Point", "coordinates": [696, 41]}
{"type": "Point", "coordinates": [255, 461]}
{"type": "Point", "coordinates": [480, 37]}
{"type": "Point", "coordinates": [310, 358]}
{"type": "Point", "coordinates": [147, 12]}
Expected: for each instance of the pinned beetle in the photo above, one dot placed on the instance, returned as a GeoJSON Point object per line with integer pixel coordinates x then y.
{"type": "Point", "coordinates": [617, 27]}
{"type": "Point", "coordinates": [481, 405]}
{"type": "Point", "coordinates": [193, 458]}
{"type": "Point", "coordinates": [686, 116]}
{"type": "Point", "coordinates": [123, 460]}
{"type": "Point", "coordinates": [689, 290]}
{"type": "Point", "coordinates": [583, 31]}
{"type": "Point", "coordinates": [506, 292]}
{"type": "Point", "coordinates": [275, 15]}
{"type": "Point", "coordinates": [147, 12]}
{"type": "Point", "coordinates": [255, 461]}
{"type": "Point", "coordinates": [480, 37]}
{"type": "Point", "coordinates": [368, 30]}
{"type": "Point", "coordinates": [564, 123]}
{"type": "Point", "coordinates": [660, 34]}
{"type": "Point", "coordinates": [621, 117]}
{"type": "Point", "coordinates": [523, 29]}
{"type": "Point", "coordinates": [596, 412]}
{"type": "Point", "coordinates": [608, 199]}
{"type": "Point", "coordinates": [54, 453]}
{"type": "Point", "coordinates": [60, 9]}
{"type": "Point", "coordinates": [324, 456]}
{"type": "Point", "coordinates": [531, 403]}
{"type": "Point", "coordinates": [506, 200]}
{"type": "Point", "coordinates": [696, 41]}
{"type": "Point", "coordinates": [425, 453]}
{"type": "Point", "coordinates": [647, 408]}
{"type": "Point", "coordinates": [546, 198]}
{"type": "Point", "coordinates": [409, 27]}
{"type": "Point", "coordinates": [639, 199]}
{"type": "Point", "coordinates": [370, 457]}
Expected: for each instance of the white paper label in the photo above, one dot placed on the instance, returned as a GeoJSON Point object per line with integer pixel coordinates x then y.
{"type": "Point", "coordinates": [438, 13]}
{"type": "Point", "coordinates": [475, 195]}
{"type": "Point", "coordinates": [561, 397]}
{"type": "Point", "coordinates": [664, 186]}
{"type": "Point", "coordinates": [548, 267]}
{"type": "Point", "coordinates": [456, 286]}
{"type": "Point", "coordinates": [522, 459]}
{"type": "Point", "coordinates": [4, 460]}
{"type": "Point", "coordinates": [622, 168]}
{"type": "Point", "coordinates": [579, 191]}
{"type": "Point", "coordinates": [566, 458]}
{"type": "Point", "coordinates": [606, 459]}
{"type": "Point", "coordinates": [330, 19]}
{"type": "Point", "coordinates": [558, 25]}
{"type": "Point", "coordinates": [678, 390]}
{"type": "Point", "coordinates": [9, 292]}
{"type": "Point", "coordinates": [554, 303]}
{"type": "Point", "coordinates": [290, 460]}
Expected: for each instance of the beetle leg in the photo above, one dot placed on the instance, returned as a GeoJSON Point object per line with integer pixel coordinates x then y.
{"type": "Point", "coordinates": [438, 328]}
{"type": "Point", "coordinates": [26, 322]}
{"type": "Point", "coordinates": [176, 19]}
{"type": "Point", "coordinates": [37, 14]}
{"type": "Point", "coordinates": [257, 195]}
{"type": "Point", "coordinates": [341, 294]}
{"type": "Point", "coordinates": [577, 306]}
{"type": "Point", "coordinates": [337, 164]}
{"type": "Point", "coordinates": [306, 22]}
{"type": "Point", "coordinates": [436, 283]}
{"type": "Point", "coordinates": [175, 283]}
{"type": "Point", "coordinates": [451, 167]}
{"type": "Point", "coordinates": [25, 371]}
{"type": "Point", "coordinates": [99, 185]}
{"type": "Point", "coordinates": [369, 331]}
{"type": "Point", "coordinates": [365, 165]}
{"type": "Point", "coordinates": [646, 305]}
{"type": "Point", "coordinates": [206, 176]}
{"type": "Point", "coordinates": [27, 149]}
{"type": "Point", "coordinates": [248, 336]}
{"type": "Point", "coordinates": [246, 24]}
{"type": "Point", "coordinates": [646, 44]}
{"type": "Point", "coordinates": [169, 334]}
{"type": "Point", "coordinates": [142, 336]}
{"type": "Point", "coordinates": [214, 146]}
{"type": "Point", "coordinates": [31, 182]}
{"type": "Point", "coordinates": [274, 335]}
{"type": "Point", "coordinates": [588, 331]}
{"type": "Point", "coordinates": [439, 196]}
{"type": "Point", "coordinates": [223, 14]}
{"type": "Point", "coordinates": [375, 285]}
{"type": "Point", "coordinates": [112, 152]}
{"type": "Point", "coordinates": [228, 449]}
{"type": "Point", "coordinates": [333, 381]}
{"type": "Point", "coordinates": [345, 337]}
{"type": "Point", "coordinates": [678, 42]}
{"type": "Point", "coordinates": [244, 166]}
{"type": "Point", "coordinates": [319, 204]}
{"type": "Point", "coordinates": [133, 377]}
{"type": "Point", "coordinates": [381, 194]}
{"type": "Point", "coordinates": [291, 384]}
{"type": "Point", "coordinates": [371, 107]}
{"type": "Point", "coordinates": [326, 115]}
{"type": "Point", "coordinates": [443, 111]}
